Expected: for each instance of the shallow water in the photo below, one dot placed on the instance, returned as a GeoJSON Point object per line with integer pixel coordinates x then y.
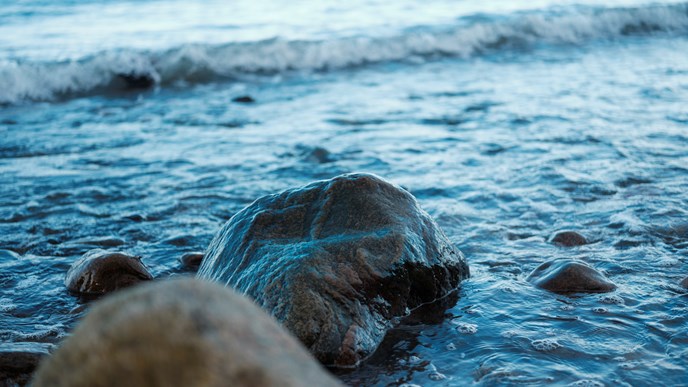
{"type": "Point", "coordinates": [505, 134]}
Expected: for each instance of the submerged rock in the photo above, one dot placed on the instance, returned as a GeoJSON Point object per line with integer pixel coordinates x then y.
{"type": "Point", "coordinates": [244, 99]}
{"type": "Point", "coordinates": [100, 271]}
{"type": "Point", "coordinates": [569, 239]}
{"type": "Point", "coordinates": [335, 261]}
{"type": "Point", "coordinates": [182, 332]}
{"type": "Point", "coordinates": [191, 260]}
{"type": "Point", "coordinates": [569, 276]}
{"type": "Point", "coordinates": [316, 155]}
{"type": "Point", "coordinates": [19, 360]}
{"type": "Point", "coordinates": [684, 283]}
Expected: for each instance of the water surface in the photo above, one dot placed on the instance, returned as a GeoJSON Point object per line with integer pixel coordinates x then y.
{"type": "Point", "coordinates": [508, 121]}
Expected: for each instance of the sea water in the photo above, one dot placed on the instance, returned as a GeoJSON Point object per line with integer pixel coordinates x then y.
{"type": "Point", "coordinates": [509, 121]}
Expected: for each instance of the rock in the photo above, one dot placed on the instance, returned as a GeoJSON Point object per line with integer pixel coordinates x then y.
{"type": "Point", "coordinates": [100, 271]}
{"type": "Point", "coordinates": [316, 155]}
{"type": "Point", "coordinates": [335, 261]}
{"type": "Point", "coordinates": [569, 276]}
{"type": "Point", "coordinates": [19, 360]}
{"type": "Point", "coordinates": [684, 283]}
{"type": "Point", "coordinates": [191, 260]}
{"type": "Point", "coordinates": [569, 239]}
{"type": "Point", "coordinates": [182, 332]}
{"type": "Point", "coordinates": [244, 99]}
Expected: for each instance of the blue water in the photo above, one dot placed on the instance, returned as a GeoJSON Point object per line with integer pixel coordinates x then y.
{"type": "Point", "coordinates": [508, 121]}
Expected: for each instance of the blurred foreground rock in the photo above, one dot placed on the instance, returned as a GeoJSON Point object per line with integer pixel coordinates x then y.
{"type": "Point", "coordinates": [569, 276]}
{"type": "Point", "coordinates": [100, 271]}
{"type": "Point", "coordinates": [335, 261]}
{"type": "Point", "coordinates": [183, 332]}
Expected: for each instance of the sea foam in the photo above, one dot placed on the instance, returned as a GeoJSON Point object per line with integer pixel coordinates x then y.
{"type": "Point", "coordinates": [199, 63]}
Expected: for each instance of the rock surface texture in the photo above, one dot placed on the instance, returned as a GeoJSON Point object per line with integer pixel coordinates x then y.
{"type": "Point", "coordinates": [183, 332]}
{"type": "Point", "coordinates": [100, 271]}
{"type": "Point", "coordinates": [569, 276]}
{"type": "Point", "coordinates": [569, 239]}
{"type": "Point", "coordinates": [335, 261]}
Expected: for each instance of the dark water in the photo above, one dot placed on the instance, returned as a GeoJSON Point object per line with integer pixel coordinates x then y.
{"type": "Point", "coordinates": [503, 148]}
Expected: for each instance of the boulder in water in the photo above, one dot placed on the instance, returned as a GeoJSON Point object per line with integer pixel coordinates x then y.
{"type": "Point", "coordinates": [99, 271]}
{"type": "Point", "coordinates": [335, 261]}
{"type": "Point", "coordinates": [684, 283]}
{"type": "Point", "coordinates": [244, 99]}
{"type": "Point", "coordinates": [182, 332]}
{"type": "Point", "coordinates": [569, 239]}
{"type": "Point", "coordinates": [569, 276]}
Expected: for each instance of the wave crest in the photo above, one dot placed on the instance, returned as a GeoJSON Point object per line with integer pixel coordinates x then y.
{"type": "Point", "coordinates": [194, 63]}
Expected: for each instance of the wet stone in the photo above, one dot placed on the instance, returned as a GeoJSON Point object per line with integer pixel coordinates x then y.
{"type": "Point", "coordinates": [316, 155]}
{"type": "Point", "coordinates": [569, 276]}
{"type": "Point", "coordinates": [99, 271]}
{"type": "Point", "coordinates": [182, 332]}
{"type": "Point", "coordinates": [244, 99]}
{"type": "Point", "coordinates": [336, 261]}
{"type": "Point", "coordinates": [191, 260]}
{"type": "Point", "coordinates": [569, 239]}
{"type": "Point", "coordinates": [19, 360]}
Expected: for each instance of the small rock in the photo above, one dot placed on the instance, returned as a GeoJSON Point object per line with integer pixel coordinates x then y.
{"type": "Point", "coordinates": [336, 261]}
{"type": "Point", "coordinates": [569, 276]}
{"type": "Point", "coordinates": [317, 155]}
{"type": "Point", "coordinates": [191, 260]}
{"type": "Point", "coordinates": [684, 283]}
{"type": "Point", "coordinates": [181, 332]}
{"type": "Point", "coordinates": [99, 271]}
{"type": "Point", "coordinates": [19, 360]}
{"type": "Point", "coordinates": [244, 99]}
{"type": "Point", "coordinates": [569, 239]}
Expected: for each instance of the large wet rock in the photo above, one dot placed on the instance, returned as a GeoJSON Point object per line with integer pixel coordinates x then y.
{"type": "Point", "coordinates": [569, 239]}
{"type": "Point", "coordinates": [183, 332]}
{"type": "Point", "coordinates": [335, 261]}
{"type": "Point", "coordinates": [569, 276]}
{"type": "Point", "coordinates": [99, 271]}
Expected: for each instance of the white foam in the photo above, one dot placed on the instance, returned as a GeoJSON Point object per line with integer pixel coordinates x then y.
{"type": "Point", "coordinates": [191, 63]}
{"type": "Point", "coordinates": [545, 345]}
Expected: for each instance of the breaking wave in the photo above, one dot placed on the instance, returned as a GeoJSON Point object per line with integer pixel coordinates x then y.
{"type": "Point", "coordinates": [109, 71]}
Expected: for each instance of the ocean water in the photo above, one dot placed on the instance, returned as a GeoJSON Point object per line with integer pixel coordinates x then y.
{"type": "Point", "coordinates": [508, 120]}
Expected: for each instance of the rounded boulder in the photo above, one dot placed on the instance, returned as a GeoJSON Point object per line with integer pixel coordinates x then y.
{"type": "Point", "coordinates": [335, 261]}
{"type": "Point", "coordinates": [569, 276]}
{"type": "Point", "coordinates": [99, 271]}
